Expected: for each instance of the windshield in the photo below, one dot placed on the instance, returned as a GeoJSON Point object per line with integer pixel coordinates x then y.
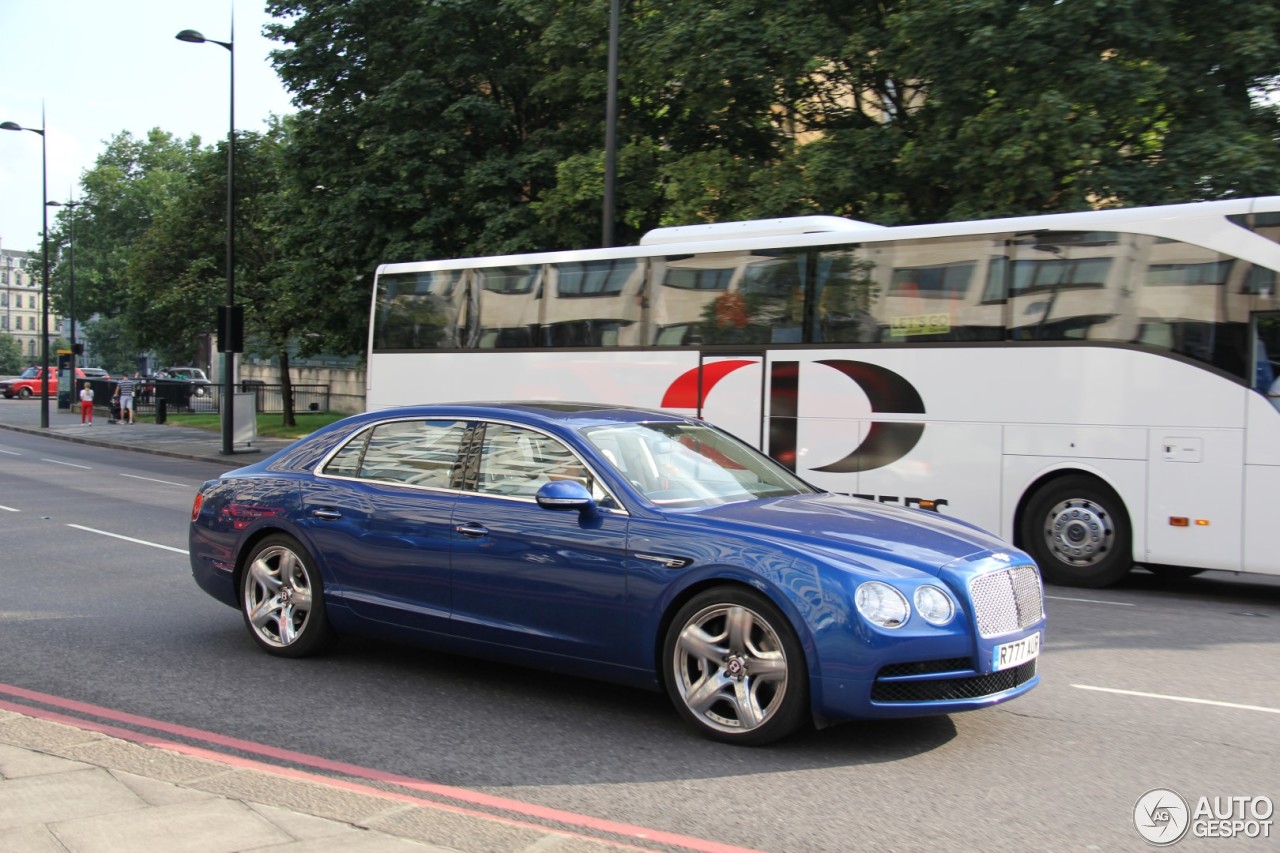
{"type": "Point", "coordinates": [691, 464]}
{"type": "Point", "coordinates": [30, 373]}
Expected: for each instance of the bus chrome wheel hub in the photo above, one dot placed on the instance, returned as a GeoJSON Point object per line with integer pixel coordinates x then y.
{"type": "Point", "coordinates": [1079, 532]}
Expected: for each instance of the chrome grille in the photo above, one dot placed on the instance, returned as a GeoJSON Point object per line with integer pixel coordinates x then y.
{"type": "Point", "coordinates": [1007, 600]}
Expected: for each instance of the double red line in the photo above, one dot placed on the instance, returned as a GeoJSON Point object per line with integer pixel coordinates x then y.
{"type": "Point", "coordinates": [449, 797]}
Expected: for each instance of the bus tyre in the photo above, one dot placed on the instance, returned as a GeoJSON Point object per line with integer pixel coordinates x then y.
{"type": "Point", "coordinates": [1077, 530]}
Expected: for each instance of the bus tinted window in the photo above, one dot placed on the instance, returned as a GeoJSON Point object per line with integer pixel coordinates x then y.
{"type": "Point", "coordinates": [508, 310]}
{"type": "Point", "coordinates": [1099, 286]}
{"type": "Point", "coordinates": [729, 298]}
{"type": "Point", "coordinates": [418, 311]}
{"type": "Point", "coordinates": [594, 304]}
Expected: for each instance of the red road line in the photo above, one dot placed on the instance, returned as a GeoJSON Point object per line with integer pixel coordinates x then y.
{"type": "Point", "coordinates": [249, 764]}
{"type": "Point", "coordinates": [460, 794]}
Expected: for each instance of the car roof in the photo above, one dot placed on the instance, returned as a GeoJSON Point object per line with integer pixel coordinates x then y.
{"type": "Point", "coordinates": [545, 412]}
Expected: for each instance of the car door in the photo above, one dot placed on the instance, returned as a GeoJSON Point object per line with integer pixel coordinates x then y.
{"type": "Point", "coordinates": [552, 582]}
{"type": "Point", "coordinates": [379, 514]}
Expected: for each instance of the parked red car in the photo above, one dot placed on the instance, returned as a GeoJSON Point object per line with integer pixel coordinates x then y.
{"type": "Point", "coordinates": [30, 382]}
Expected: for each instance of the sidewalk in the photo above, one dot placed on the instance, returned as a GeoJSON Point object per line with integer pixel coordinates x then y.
{"type": "Point", "coordinates": [71, 789]}
{"type": "Point", "coordinates": [146, 435]}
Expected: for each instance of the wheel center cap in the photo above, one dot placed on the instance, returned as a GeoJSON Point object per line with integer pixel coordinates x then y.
{"type": "Point", "coordinates": [286, 595]}
{"type": "Point", "coordinates": [736, 667]}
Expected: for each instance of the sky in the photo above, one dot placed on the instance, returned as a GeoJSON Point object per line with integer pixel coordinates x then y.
{"type": "Point", "coordinates": [105, 66]}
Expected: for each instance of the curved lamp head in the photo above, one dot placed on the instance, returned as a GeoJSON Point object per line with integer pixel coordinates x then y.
{"type": "Point", "coordinates": [193, 36]}
{"type": "Point", "coordinates": [10, 125]}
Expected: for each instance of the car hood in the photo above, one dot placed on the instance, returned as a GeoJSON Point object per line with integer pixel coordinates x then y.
{"type": "Point", "coordinates": [845, 527]}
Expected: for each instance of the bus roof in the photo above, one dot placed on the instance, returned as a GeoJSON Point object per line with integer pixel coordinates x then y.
{"type": "Point", "coordinates": [785, 226]}
{"type": "Point", "coordinates": [1174, 221]}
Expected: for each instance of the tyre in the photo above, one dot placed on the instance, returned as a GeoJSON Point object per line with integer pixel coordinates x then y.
{"type": "Point", "coordinates": [734, 669]}
{"type": "Point", "coordinates": [24, 393]}
{"type": "Point", "coordinates": [1077, 530]}
{"type": "Point", "coordinates": [282, 600]}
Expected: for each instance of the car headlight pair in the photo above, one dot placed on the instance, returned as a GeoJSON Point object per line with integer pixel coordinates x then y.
{"type": "Point", "coordinates": [884, 605]}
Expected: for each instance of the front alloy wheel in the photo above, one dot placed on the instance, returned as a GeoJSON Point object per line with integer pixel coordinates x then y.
{"type": "Point", "coordinates": [281, 599]}
{"type": "Point", "coordinates": [734, 669]}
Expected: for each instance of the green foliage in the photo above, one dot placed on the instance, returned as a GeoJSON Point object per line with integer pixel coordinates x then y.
{"type": "Point", "coordinates": [113, 347]}
{"type": "Point", "coordinates": [453, 128]}
{"type": "Point", "coordinates": [11, 360]}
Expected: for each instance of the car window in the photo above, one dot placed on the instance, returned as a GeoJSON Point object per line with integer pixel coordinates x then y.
{"type": "Point", "coordinates": [415, 453]}
{"type": "Point", "coordinates": [517, 462]}
{"type": "Point", "coordinates": [691, 464]}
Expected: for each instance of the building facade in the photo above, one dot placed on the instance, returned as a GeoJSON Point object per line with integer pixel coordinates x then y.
{"type": "Point", "coordinates": [20, 306]}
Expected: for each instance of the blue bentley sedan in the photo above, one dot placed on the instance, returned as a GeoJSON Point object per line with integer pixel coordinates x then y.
{"type": "Point", "coordinates": [635, 546]}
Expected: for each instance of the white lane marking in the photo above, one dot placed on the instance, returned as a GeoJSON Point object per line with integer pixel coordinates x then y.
{"type": "Point", "coordinates": [10, 509]}
{"type": "Point", "coordinates": [129, 539]}
{"type": "Point", "coordinates": [153, 480]}
{"type": "Point", "coordinates": [1265, 710]}
{"type": "Point", "coordinates": [11, 452]}
{"type": "Point", "coordinates": [68, 464]}
{"type": "Point", "coordinates": [1091, 601]}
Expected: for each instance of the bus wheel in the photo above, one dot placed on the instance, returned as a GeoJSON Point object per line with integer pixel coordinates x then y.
{"type": "Point", "coordinates": [1077, 530]}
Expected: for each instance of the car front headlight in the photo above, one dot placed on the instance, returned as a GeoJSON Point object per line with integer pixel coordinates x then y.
{"type": "Point", "coordinates": [881, 604]}
{"type": "Point", "coordinates": [934, 605]}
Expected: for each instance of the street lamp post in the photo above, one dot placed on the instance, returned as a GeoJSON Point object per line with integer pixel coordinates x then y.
{"type": "Point", "coordinates": [230, 320]}
{"type": "Point", "coordinates": [71, 269]}
{"type": "Point", "coordinates": [610, 130]}
{"type": "Point", "coordinates": [44, 284]}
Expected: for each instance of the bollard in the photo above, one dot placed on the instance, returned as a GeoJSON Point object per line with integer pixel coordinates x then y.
{"type": "Point", "coordinates": [162, 409]}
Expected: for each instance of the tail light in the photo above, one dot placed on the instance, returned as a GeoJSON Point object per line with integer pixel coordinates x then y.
{"type": "Point", "coordinates": [195, 508]}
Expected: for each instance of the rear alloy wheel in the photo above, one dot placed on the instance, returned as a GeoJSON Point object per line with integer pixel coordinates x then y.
{"type": "Point", "coordinates": [1077, 531]}
{"type": "Point", "coordinates": [282, 600]}
{"type": "Point", "coordinates": [734, 669]}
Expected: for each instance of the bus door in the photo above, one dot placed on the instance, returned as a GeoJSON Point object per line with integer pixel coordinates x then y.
{"type": "Point", "coordinates": [1262, 449]}
{"type": "Point", "coordinates": [731, 391]}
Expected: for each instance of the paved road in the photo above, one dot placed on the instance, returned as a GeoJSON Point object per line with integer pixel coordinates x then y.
{"type": "Point", "coordinates": [1150, 684]}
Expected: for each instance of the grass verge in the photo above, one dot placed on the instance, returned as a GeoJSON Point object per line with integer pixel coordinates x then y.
{"type": "Point", "coordinates": [269, 425]}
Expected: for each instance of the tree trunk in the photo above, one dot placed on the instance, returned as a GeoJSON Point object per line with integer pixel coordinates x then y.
{"type": "Point", "coordinates": [286, 389]}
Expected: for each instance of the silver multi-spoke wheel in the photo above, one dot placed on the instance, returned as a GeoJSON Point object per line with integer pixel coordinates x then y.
{"type": "Point", "coordinates": [280, 598]}
{"type": "Point", "coordinates": [732, 668]}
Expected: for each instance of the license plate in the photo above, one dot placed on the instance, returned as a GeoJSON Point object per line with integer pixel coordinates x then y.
{"type": "Point", "coordinates": [1016, 653]}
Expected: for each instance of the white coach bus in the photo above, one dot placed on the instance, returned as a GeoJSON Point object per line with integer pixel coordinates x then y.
{"type": "Point", "coordinates": [1094, 386]}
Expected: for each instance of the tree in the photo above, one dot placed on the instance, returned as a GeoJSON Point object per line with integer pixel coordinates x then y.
{"type": "Point", "coordinates": [112, 345]}
{"type": "Point", "coordinates": [992, 108]}
{"type": "Point", "coordinates": [11, 360]}
{"type": "Point", "coordinates": [131, 184]}
{"type": "Point", "coordinates": [177, 273]}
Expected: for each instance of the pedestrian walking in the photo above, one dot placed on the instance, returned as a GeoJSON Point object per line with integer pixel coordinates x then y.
{"type": "Point", "coordinates": [86, 405]}
{"type": "Point", "coordinates": [124, 390]}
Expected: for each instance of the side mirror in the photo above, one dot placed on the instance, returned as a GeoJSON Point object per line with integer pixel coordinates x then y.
{"type": "Point", "coordinates": [565, 494]}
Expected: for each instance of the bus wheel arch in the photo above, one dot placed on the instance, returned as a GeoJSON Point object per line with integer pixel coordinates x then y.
{"type": "Point", "coordinates": [1077, 528]}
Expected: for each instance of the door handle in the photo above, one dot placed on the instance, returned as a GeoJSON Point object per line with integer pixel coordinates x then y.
{"type": "Point", "coordinates": [472, 529]}
{"type": "Point", "coordinates": [326, 514]}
